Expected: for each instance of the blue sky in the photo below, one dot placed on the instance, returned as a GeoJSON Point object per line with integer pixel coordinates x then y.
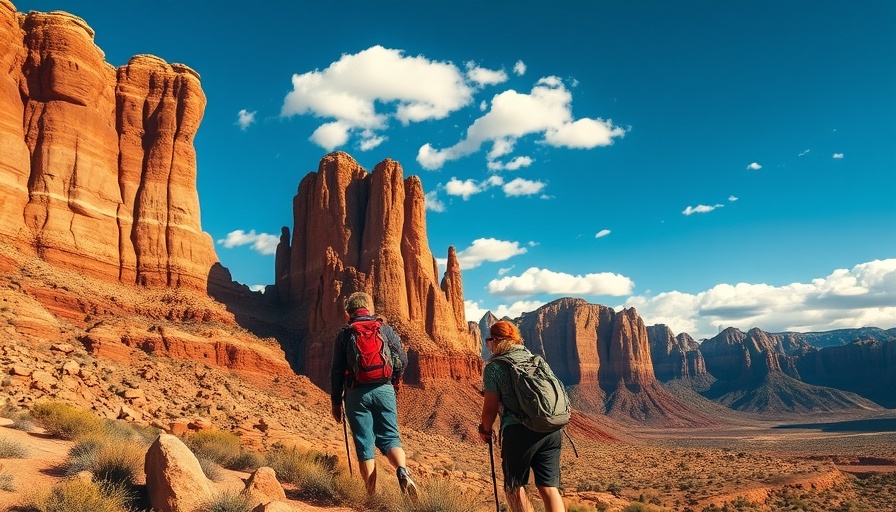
{"type": "Point", "coordinates": [710, 163]}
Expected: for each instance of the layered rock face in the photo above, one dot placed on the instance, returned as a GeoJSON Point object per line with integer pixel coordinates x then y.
{"type": "Point", "coordinates": [866, 367]}
{"type": "Point", "coordinates": [360, 231]}
{"type": "Point", "coordinates": [734, 355]}
{"type": "Point", "coordinates": [604, 357]}
{"type": "Point", "coordinates": [98, 171]}
{"type": "Point", "coordinates": [674, 357]}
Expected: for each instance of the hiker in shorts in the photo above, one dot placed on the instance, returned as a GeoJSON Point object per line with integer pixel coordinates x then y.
{"type": "Point", "coordinates": [522, 449]}
{"type": "Point", "coordinates": [370, 409]}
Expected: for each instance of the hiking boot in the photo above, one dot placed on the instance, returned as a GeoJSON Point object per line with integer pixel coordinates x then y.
{"type": "Point", "coordinates": [407, 485]}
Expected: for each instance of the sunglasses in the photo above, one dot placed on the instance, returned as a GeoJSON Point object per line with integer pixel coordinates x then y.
{"type": "Point", "coordinates": [489, 339]}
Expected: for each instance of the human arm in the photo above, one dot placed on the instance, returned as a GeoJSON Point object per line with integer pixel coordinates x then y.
{"type": "Point", "coordinates": [490, 407]}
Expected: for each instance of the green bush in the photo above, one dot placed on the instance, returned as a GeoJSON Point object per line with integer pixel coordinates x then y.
{"type": "Point", "coordinates": [65, 421]}
{"type": "Point", "coordinates": [78, 495]}
{"type": "Point", "coordinates": [10, 449]}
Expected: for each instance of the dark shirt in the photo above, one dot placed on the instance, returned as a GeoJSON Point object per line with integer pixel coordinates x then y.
{"type": "Point", "coordinates": [340, 371]}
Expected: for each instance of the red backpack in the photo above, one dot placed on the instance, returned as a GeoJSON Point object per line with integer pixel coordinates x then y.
{"type": "Point", "coordinates": [369, 354]}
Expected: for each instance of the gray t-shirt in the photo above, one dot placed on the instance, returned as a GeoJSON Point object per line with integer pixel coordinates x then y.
{"type": "Point", "coordinates": [496, 377]}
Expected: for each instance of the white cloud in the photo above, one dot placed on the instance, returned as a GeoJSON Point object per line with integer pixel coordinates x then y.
{"type": "Point", "coordinates": [465, 189]}
{"type": "Point", "coordinates": [602, 233]}
{"type": "Point", "coordinates": [804, 153]}
{"type": "Point", "coordinates": [474, 312]}
{"type": "Point", "coordinates": [838, 156]}
{"type": "Point", "coordinates": [536, 281]}
{"type": "Point", "coordinates": [370, 140]}
{"type": "Point", "coordinates": [258, 287]}
{"type": "Point", "coordinates": [754, 166]}
{"type": "Point", "coordinates": [513, 165]}
{"type": "Point", "coordinates": [351, 90]}
{"type": "Point", "coordinates": [263, 243]}
{"type": "Point", "coordinates": [519, 69]}
{"type": "Point", "coordinates": [701, 208]}
{"type": "Point", "coordinates": [432, 202]}
{"type": "Point", "coordinates": [521, 187]}
{"type": "Point", "coordinates": [732, 198]}
{"type": "Point", "coordinates": [245, 118]}
{"type": "Point", "coordinates": [482, 76]}
{"type": "Point", "coordinates": [487, 249]}
{"type": "Point", "coordinates": [860, 297]}
{"type": "Point", "coordinates": [546, 110]}
{"type": "Point", "coordinates": [502, 271]}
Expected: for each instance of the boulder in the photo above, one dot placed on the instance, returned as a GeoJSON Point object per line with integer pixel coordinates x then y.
{"type": "Point", "coordinates": [174, 480]}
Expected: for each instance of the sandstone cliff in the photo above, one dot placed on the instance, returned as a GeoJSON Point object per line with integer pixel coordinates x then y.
{"type": "Point", "coordinates": [674, 357]}
{"type": "Point", "coordinates": [734, 355]}
{"type": "Point", "coordinates": [604, 358]}
{"type": "Point", "coordinates": [360, 231]}
{"type": "Point", "coordinates": [866, 367]}
{"type": "Point", "coordinates": [98, 171]}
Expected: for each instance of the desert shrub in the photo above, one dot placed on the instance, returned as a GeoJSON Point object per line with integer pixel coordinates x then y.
{"type": "Point", "coordinates": [638, 506]}
{"type": "Point", "coordinates": [314, 474]}
{"type": "Point", "coordinates": [11, 449]}
{"type": "Point", "coordinates": [211, 469]}
{"type": "Point", "coordinates": [111, 460]}
{"type": "Point", "coordinates": [440, 495]}
{"type": "Point", "coordinates": [124, 431]}
{"type": "Point", "coordinates": [247, 460]}
{"type": "Point", "coordinates": [6, 480]}
{"type": "Point", "coordinates": [215, 445]}
{"type": "Point", "coordinates": [228, 501]}
{"type": "Point", "coordinates": [21, 420]}
{"type": "Point", "coordinates": [577, 506]}
{"type": "Point", "coordinates": [66, 421]}
{"type": "Point", "coordinates": [79, 495]}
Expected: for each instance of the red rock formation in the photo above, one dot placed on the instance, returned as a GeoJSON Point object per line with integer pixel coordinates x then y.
{"type": "Point", "coordinates": [674, 357]}
{"type": "Point", "coordinates": [866, 367]}
{"type": "Point", "coordinates": [355, 230]}
{"type": "Point", "coordinates": [604, 358]}
{"type": "Point", "coordinates": [733, 355]}
{"type": "Point", "coordinates": [112, 188]}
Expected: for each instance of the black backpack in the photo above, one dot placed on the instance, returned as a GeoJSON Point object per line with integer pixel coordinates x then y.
{"type": "Point", "coordinates": [544, 405]}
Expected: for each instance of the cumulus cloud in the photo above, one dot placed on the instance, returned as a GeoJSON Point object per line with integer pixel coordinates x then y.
{"type": "Point", "coordinates": [546, 110]}
{"type": "Point", "coordinates": [535, 281]}
{"type": "Point", "coordinates": [519, 69]}
{"type": "Point", "coordinates": [474, 311]}
{"type": "Point", "coordinates": [847, 298]}
{"type": "Point", "coordinates": [482, 76]}
{"type": "Point", "coordinates": [838, 156]}
{"type": "Point", "coordinates": [487, 249]}
{"type": "Point", "coordinates": [257, 287]}
{"type": "Point", "coordinates": [522, 187]}
{"type": "Point", "coordinates": [363, 91]}
{"type": "Point", "coordinates": [263, 243]}
{"type": "Point", "coordinates": [732, 198]}
{"type": "Point", "coordinates": [754, 166]}
{"type": "Point", "coordinates": [602, 233]}
{"type": "Point", "coordinates": [245, 118]}
{"type": "Point", "coordinates": [701, 208]}
{"type": "Point", "coordinates": [432, 202]}
{"type": "Point", "coordinates": [465, 188]}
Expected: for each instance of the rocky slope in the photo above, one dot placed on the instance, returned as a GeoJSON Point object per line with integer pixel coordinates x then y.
{"type": "Point", "coordinates": [366, 231]}
{"type": "Point", "coordinates": [866, 367]}
{"type": "Point", "coordinates": [674, 357]}
{"type": "Point", "coordinates": [98, 171]}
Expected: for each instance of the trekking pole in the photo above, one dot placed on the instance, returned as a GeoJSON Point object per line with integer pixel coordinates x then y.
{"type": "Point", "coordinates": [348, 454]}
{"type": "Point", "coordinates": [491, 456]}
{"type": "Point", "coordinates": [571, 443]}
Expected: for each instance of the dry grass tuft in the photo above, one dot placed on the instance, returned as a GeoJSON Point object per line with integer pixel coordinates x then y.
{"type": "Point", "coordinates": [228, 501]}
{"type": "Point", "coordinates": [78, 495]}
{"type": "Point", "coordinates": [110, 460]}
{"type": "Point", "coordinates": [10, 449]}
{"type": "Point", "coordinates": [66, 421]}
{"type": "Point", "coordinates": [215, 445]}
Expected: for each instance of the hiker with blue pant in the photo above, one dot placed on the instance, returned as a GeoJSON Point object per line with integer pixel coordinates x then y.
{"type": "Point", "coordinates": [522, 449]}
{"type": "Point", "coordinates": [368, 361]}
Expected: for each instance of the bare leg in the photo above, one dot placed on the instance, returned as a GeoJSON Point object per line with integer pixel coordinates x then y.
{"type": "Point", "coordinates": [551, 498]}
{"type": "Point", "coordinates": [367, 468]}
{"type": "Point", "coordinates": [396, 457]}
{"type": "Point", "coordinates": [518, 499]}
